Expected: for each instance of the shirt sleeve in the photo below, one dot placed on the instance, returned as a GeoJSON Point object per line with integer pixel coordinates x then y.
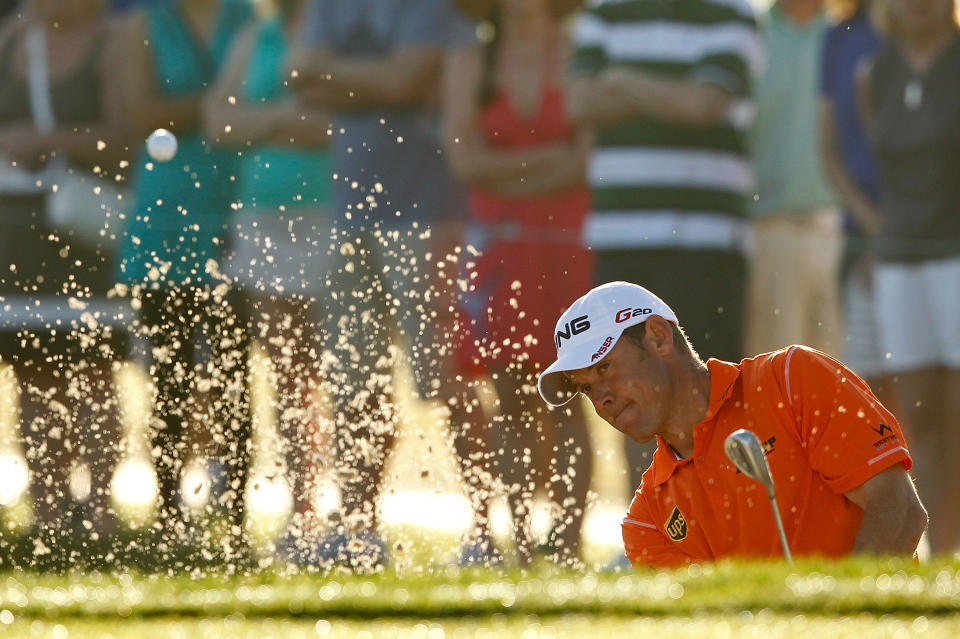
{"type": "Point", "coordinates": [433, 23]}
{"type": "Point", "coordinates": [314, 29]}
{"type": "Point", "coordinates": [827, 80]}
{"type": "Point", "coordinates": [848, 434]}
{"type": "Point", "coordinates": [590, 33]}
{"type": "Point", "coordinates": [734, 57]}
{"type": "Point", "coordinates": [644, 542]}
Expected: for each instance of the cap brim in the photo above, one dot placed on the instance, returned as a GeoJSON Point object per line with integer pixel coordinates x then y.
{"type": "Point", "coordinates": [553, 385]}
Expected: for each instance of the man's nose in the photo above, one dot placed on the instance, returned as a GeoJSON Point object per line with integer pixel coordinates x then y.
{"type": "Point", "coordinates": [602, 397]}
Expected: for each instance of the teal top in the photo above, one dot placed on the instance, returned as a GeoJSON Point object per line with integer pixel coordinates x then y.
{"type": "Point", "coordinates": [786, 136]}
{"type": "Point", "coordinates": [181, 207]}
{"type": "Point", "coordinates": [271, 177]}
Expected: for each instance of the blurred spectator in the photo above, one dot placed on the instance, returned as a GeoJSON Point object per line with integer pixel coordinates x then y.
{"type": "Point", "coordinates": [377, 64]}
{"type": "Point", "coordinates": [119, 6]}
{"type": "Point", "coordinates": [794, 293]}
{"type": "Point", "coordinates": [850, 169]}
{"type": "Point", "coordinates": [280, 244]}
{"type": "Point", "coordinates": [174, 237]}
{"type": "Point", "coordinates": [7, 7]}
{"type": "Point", "coordinates": [58, 111]}
{"type": "Point", "coordinates": [910, 93]}
{"type": "Point", "coordinates": [509, 139]}
{"type": "Point", "coordinates": [667, 87]}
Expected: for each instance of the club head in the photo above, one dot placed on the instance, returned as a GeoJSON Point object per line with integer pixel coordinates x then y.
{"type": "Point", "coordinates": [745, 451]}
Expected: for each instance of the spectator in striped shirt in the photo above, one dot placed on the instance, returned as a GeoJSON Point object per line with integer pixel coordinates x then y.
{"type": "Point", "coordinates": [666, 86]}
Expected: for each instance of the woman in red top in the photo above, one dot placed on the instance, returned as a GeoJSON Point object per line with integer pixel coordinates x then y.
{"type": "Point", "coordinates": [511, 142]}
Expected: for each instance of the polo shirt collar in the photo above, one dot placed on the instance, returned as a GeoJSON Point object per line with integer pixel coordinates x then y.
{"type": "Point", "coordinates": [723, 376]}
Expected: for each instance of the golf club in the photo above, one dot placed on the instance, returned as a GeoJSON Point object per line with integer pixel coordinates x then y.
{"type": "Point", "coordinates": [745, 451]}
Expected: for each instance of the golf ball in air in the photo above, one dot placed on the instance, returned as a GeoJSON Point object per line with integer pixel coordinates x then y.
{"type": "Point", "coordinates": [162, 145]}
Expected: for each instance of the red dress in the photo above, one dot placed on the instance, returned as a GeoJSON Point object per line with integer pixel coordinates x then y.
{"type": "Point", "coordinates": [532, 262]}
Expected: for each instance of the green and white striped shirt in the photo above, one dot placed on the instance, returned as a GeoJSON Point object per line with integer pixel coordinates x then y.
{"type": "Point", "coordinates": [659, 184]}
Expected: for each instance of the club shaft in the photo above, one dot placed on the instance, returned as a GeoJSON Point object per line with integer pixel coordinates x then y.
{"type": "Point", "coordinates": [780, 530]}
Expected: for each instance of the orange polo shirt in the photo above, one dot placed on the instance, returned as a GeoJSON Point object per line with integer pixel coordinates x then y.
{"type": "Point", "coordinates": [824, 434]}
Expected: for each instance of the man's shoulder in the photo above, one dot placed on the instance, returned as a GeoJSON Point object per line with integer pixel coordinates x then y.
{"type": "Point", "coordinates": [793, 352]}
{"type": "Point", "coordinates": [793, 364]}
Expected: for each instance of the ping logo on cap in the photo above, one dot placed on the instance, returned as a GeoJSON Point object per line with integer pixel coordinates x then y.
{"type": "Point", "coordinates": [676, 525]}
{"type": "Point", "coordinates": [574, 327]}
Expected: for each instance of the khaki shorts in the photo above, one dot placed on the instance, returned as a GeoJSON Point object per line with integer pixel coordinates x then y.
{"type": "Point", "coordinates": [794, 291]}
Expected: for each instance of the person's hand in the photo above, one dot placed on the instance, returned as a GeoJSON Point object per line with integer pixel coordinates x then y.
{"type": "Point", "coordinates": [549, 154]}
{"type": "Point", "coordinates": [613, 78]}
{"type": "Point", "coordinates": [863, 268]}
{"type": "Point", "coordinates": [309, 67]}
{"type": "Point", "coordinates": [24, 145]}
{"type": "Point", "coordinates": [311, 127]}
{"type": "Point", "coordinates": [868, 217]}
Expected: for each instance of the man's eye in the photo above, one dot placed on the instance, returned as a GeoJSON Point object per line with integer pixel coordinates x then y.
{"type": "Point", "coordinates": [603, 366]}
{"type": "Point", "coordinates": [585, 389]}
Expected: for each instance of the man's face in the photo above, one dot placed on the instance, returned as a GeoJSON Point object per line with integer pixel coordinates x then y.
{"type": "Point", "coordinates": [913, 17]}
{"type": "Point", "coordinates": [629, 388]}
{"type": "Point", "coordinates": [68, 12]}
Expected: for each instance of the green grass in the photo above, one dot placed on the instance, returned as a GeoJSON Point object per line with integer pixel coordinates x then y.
{"type": "Point", "coordinates": [742, 626]}
{"type": "Point", "coordinates": [857, 598]}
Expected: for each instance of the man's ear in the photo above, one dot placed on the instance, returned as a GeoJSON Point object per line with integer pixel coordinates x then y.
{"type": "Point", "coordinates": [659, 335]}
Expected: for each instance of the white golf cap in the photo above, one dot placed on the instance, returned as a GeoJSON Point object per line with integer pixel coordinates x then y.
{"type": "Point", "coordinates": [591, 327]}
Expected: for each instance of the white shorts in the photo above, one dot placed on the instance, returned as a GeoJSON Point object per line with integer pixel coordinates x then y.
{"type": "Point", "coordinates": [918, 309]}
{"type": "Point", "coordinates": [862, 349]}
{"type": "Point", "coordinates": [284, 254]}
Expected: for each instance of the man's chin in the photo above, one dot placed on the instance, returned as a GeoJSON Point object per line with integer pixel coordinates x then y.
{"type": "Point", "coordinates": [641, 438]}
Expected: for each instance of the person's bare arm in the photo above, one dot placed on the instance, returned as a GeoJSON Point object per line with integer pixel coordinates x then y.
{"type": "Point", "coordinates": [92, 144]}
{"type": "Point", "coordinates": [683, 101]}
{"type": "Point", "coordinates": [893, 517]}
{"type": "Point", "coordinates": [594, 103]}
{"type": "Point", "coordinates": [23, 145]}
{"type": "Point", "coordinates": [836, 170]}
{"type": "Point", "coordinates": [566, 169]}
{"type": "Point", "coordinates": [862, 92]}
{"type": "Point", "coordinates": [508, 172]}
{"type": "Point", "coordinates": [618, 94]}
{"type": "Point", "coordinates": [405, 77]}
{"type": "Point", "coordinates": [146, 108]}
{"type": "Point", "coordinates": [229, 118]}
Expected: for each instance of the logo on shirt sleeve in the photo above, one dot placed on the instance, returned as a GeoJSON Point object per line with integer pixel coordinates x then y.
{"type": "Point", "coordinates": [887, 436]}
{"type": "Point", "coordinates": [882, 429]}
{"type": "Point", "coordinates": [676, 525]}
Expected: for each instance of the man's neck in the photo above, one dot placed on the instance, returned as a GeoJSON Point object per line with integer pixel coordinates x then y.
{"type": "Point", "coordinates": [691, 399]}
{"type": "Point", "coordinates": [921, 49]}
{"type": "Point", "coordinates": [800, 12]}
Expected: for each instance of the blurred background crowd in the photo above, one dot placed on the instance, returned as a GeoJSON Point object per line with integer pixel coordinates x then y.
{"type": "Point", "coordinates": [399, 197]}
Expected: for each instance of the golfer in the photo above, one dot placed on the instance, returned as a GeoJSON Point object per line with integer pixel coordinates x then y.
{"type": "Point", "coordinates": [837, 456]}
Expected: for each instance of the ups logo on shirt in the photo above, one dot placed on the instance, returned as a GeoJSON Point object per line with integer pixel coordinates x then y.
{"type": "Point", "coordinates": [676, 525]}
